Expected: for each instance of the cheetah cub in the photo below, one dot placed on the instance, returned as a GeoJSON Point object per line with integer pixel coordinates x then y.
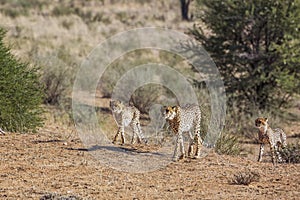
{"type": "Point", "coordinates": [275, 138]}
{"type": "Point", "coordinates": [125, 116]}
{"type": "Point", "coordinates": [183, 119]}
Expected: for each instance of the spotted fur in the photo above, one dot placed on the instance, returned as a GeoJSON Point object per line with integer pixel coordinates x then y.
{"type": "Point", "coordinates": [125, 116]}
{"type": "Point", "coordinates": [275, 138]}
{"type": "Point", "coordinates": [183, 119]}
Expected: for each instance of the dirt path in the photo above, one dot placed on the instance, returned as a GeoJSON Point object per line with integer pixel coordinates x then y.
{"type": "Point", "coordinates": [35, 165]}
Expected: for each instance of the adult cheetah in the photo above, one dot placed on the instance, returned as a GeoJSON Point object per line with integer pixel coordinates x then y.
{"type": "Point", "coordinates": [183, 119]}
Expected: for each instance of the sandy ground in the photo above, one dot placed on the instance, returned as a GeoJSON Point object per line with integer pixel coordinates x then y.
{"type": "Point", "coordinates": [55, 162]}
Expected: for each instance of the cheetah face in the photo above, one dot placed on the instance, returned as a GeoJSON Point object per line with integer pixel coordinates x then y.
{"type": "Point", "coordinates": [169, 112]}
{"type": "Point", "coordinates": [261, 122]}
{"type": "Point", "coordinates": [116, 106]}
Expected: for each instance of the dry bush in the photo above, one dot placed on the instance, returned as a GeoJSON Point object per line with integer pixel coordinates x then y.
{"type": "Point", "coordinates": [244, 178]}
{"type": "Point", "coordinates": [54, 196]}
{"type": "Point", "coordinates": [291, 154]}
{"type": "Point", "coordinates": [143, 98]}
{"type": "Point", "coordinates": [57, 75]}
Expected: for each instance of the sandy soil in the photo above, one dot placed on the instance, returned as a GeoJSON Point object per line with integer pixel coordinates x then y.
{"type": "Point", "coordinates": [53, 162]}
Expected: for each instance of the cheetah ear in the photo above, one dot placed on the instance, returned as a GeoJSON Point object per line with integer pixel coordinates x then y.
{"type": "Point", "coordinates": [174, 107]}
{"type": "Point", "coordinates": [266, 119]}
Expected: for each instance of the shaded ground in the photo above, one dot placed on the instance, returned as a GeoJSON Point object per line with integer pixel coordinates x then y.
{"type": "Point", "coordinates": [48, 163]}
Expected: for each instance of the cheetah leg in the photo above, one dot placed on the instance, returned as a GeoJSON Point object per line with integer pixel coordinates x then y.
{"type": "Point", "coordinates": [191, 149]}
{"type": "Point", "coordinates": [179, 143]}
{"type": "Point", "coordinates": [133, 138]}
{"type": "Point", "coordinates": [122, 135]}
{"type": "Point", "coordinates": [175, 154]}
{"type": "Point", "coordinates": [191, 145]}
{"type": "Point", "coordinates": [198, 142]}
{"type": "Point", "coordinates": [278, 154]}
{"type": "Point", "coordinates": [116, 136]}
{"type": "Point", "coordinates": [141, 136]}
{"type": "Point", "coordinates": [135, 134]}
{"type": "Point", "coordinates": [261, 152]}
{"type": "Point", "coordinates": [137, 127]}
{"type": "Point", "coordinates": [1, 131]}
{"type": "Point", "coordinates": [273, 154]}
{"type": "Point", "coordinates": [182, 148]}
{"type": "Point", "coordinates": [139, 133]}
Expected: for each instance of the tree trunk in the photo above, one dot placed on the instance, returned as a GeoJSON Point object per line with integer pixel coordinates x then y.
{"type": "Point", "coordinates": [185, 9]}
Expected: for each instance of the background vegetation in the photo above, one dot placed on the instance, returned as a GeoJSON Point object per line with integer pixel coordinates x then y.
{"type": "Point", "coordinates": [257, 55]}
{"type": "Point", "coordinates": [20, 92]}
{"type": "Point", "coordinates": [255, 45]}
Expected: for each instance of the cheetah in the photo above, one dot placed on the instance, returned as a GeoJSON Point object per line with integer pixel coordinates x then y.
{"type": "Point", "coordinates": [275, 138]}
{"type": "Point", "coordinates": [125, 116]}
{"type": "Point", "coordinates": [183, 119]}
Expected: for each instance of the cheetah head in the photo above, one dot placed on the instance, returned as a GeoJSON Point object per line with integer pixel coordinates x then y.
{"type": "Point", "coordinates": [169, 112]}
{"type": "Point", "coordinates": [261, 122]}
{"type": "Point", "coordinates": [116, 106]}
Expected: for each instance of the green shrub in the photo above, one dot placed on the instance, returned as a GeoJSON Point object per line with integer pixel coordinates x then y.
{"type": "Point", "coordinates": [228, 144]}
{"type": "Point", "coordinates": [20, 93]}
{"type": "Point", "coordinates": [255, 45]}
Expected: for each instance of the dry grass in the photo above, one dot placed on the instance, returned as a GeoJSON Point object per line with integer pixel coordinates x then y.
{"type": "Point", "coordinates": [77, 31]}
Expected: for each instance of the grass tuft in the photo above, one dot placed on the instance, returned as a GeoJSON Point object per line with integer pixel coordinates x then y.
{"type": "Point", "coordinates": [228, 144]}
{"type": "Point", "coordinates": [245, 178]}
